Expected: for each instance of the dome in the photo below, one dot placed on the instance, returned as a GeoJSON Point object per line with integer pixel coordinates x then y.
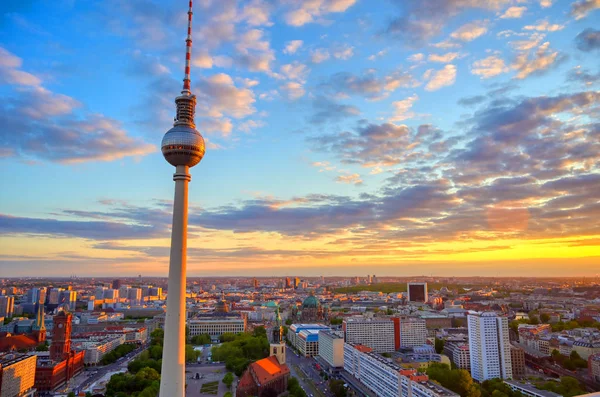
{"type": "Point", "coordinates": [222, 307]}
{"type": "Point", "coordinates": [271, 304]}
{"type": "Point", "coordinates": [183, 145]}
{"type": "Point", "coordinates": [310, 302]}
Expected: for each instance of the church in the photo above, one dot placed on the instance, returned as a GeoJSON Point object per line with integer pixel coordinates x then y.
{"type": "Point", "coordinates": [267, 377]}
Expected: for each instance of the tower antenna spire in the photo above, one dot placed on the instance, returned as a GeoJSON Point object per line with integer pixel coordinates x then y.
{"type": "Point", "coordinates": [188, 54]}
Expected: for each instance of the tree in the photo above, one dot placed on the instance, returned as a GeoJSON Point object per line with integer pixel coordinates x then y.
{"type": "Point", "coordinates": [43, 347]}
{"type": "Point", "coordinates": [337, 388]}
{"type": "Point", "coordinates": [228, 379]}
{"type": "Point", "coordinates": [439, 345]}
{"type": "Point", "coordinates": [71, 394]}
{"type": "Point", "coordinates": [202, 339]}
{"type": "Point", "coordinates": [228, 394]}
{"type": "Point", "coordinates": [545, 317]}
{"type": "Point", "coordinates": [191, 354]}
{"type": "Point", "coordinates": [294, 388]}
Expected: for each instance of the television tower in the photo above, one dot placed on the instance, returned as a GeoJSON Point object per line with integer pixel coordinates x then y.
{"type": "Point", "coordinates": [183, 147]}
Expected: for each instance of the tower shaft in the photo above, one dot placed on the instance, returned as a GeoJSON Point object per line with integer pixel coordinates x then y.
{"type": "Point", "coordinates": [172, 381]}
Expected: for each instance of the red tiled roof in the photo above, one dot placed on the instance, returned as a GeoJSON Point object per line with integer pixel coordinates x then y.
{"type": "Point", "coordinates": [16, 342]}
{"type": "Point", "coordinates": [268, 369]}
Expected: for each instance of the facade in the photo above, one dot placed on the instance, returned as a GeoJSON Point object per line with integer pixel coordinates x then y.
{"type": "Point", "coordinates": [7, 306]}
{"type": "Point", "coordinates": [385, 378]}
{"type": "Point", "coordinates": [331, 347]}
{"type": "Point", "coordinates": [489, 346]}
{"type": "Point", "coordinates": [458, 354]}
{"type": "Point", "coordinates": [216, 325]}
{"type": "Point", "coordinates": [413, 331]}
{"type": "Point", "coordinates": [307, 342]}
{"type": "Point", "coordinates": [293, 335]}
{"type": "Point", "coordinates": [594, 367]}
{"type": "Point", "coordinates": [517, 359]}
{"type": "Point", "coordinates": [17, 375]}
{"type": "Point", "coordinates": [417, 292]}
{"type": "Point", "coordinates": [377, 333]}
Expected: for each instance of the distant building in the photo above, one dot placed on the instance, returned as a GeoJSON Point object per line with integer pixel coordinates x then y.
{"type": "Point", "coordinates": [309, 341]}
{"type": "Point", "coordinates": [413, 331]}
{"type": "Point", "coordinates": [216, 324]}
{"type": "Point", "coordinates": [489, 346]}
{"type": "Point", "coordinates": [116, 284]}
{"type": "Point", "coordinates": [417, 292]}
{"type": "Point", "coordinates": [331, 347]}
{"type": "Point", "coordinates": [17, 375]}
{"type": "Point", "coordinates": [310, 311]}
{"type": "Point", "coordinates": [458, 354]}
{"type": "Point", "coordinates": [527, 389]}
{"type": "Point", "coordinates": [7, 306]}
{"type": "Point", "coordinates": [96, 347]}
{"type": "Point", "coordinates": [594, 367]}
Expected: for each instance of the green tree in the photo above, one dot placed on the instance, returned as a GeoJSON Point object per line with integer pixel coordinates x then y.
{"type": "Point", "coordinates": [337, 388]}
{"type": "Point", "coordinates": [294, 388]}
{"type": "Point", "coordinates": [228, 394]}
{"type": "Point", "coordinates": [191, 354]}
{"type": "Point", "coordinates": [228, 379]}
{"type": "Point", "coordinates": [545, 317]}
{"type": "Point", "coordinates": [439, 345]}
{"type": "Point", "coordinates": [71, 394]}
{"type": "Point", "coordinates": [202, 339]}
{"type": "Point", "coordinates": [43, 347]}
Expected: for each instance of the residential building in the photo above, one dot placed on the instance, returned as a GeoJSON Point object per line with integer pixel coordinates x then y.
{"type": "Point", "coordinates": [377, 333]}
{"type": "Point", "coordinates": [413, 331]}
{"type": "Point", "coordinates": [594, 367]}
{"type": "Point", "coordinates": [517, 359]}
{"type": "Point", "coordinates": [459, 354]}
{"type": "Point", "coordinates": [96, 347]}
{"type": "Point", "coordinates": [331, 347]}
{"type": "Point", "coordinates": [17, 375]}
{"type": "Point", "coordinates": [489, 346]}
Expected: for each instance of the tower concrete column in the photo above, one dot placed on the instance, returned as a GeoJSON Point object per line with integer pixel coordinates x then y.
{"type": "Point", "coordinates": [173, 376]}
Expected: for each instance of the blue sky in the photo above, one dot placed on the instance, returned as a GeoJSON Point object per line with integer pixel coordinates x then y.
{"type": "Point", "coordinates": [341, 134]}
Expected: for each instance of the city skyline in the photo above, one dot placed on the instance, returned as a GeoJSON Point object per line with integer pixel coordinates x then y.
{"type": "Point", "coordinates": [343, 137]}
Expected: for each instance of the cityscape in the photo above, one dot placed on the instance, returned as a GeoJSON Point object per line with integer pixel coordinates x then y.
{"type": "Point", "coordinates": [386, 198]}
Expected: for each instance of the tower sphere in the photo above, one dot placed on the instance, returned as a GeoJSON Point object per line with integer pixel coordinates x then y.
{"type": "Point", "coordinates": [183, 145]}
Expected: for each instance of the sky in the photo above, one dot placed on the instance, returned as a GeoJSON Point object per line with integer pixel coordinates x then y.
{"type": "Point", "coordinates": [344, 137]}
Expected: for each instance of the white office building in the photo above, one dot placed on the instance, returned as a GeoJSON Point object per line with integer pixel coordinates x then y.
{"type": "Point", "coordinates": [489, 346]}
{"type": "Point", "coordinates": [376, 333]}
{"type": "Point", "coordinates": [331, 347]}
{"type": "Point", "coordinates": [216, 325]}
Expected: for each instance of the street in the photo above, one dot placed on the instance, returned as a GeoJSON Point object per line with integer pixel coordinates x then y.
{"type": "Point", "coordinates": [303, 368]}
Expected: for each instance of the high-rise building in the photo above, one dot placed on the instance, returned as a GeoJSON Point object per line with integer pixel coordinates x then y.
{"type": "Point", "coordinates": [376, 333]}
{"type": "Point", "coordinates": [417, 292]}
{"type": "Point", "coordinates": [255, 283]}
{"type": "Point", "coordinates": [36, 295]}
{"type": "Point", "coordinates": [116, 284]}
{"type": "Point", "coordinates": [68, 297]}
{"type": "Point", "coordinates": [17, 375]}
{"type": "Point", "coordinates": [7, 306]}
{"type": "Point", "coordinates": [288, 282]}
{"type": "Point", "coordinates": [489, 346]}
{"type": "Point", "coordinates": [459, 354]}
{"type": "Point", "coordinates": [134, 295]}
{"type": "Point", "coordinates": [296, 282]}
{"type": "Point", "coordinates": [369, 279]}
{"type": "Point", "coordinates": [517, 361]}
{"type": "Point", "coordinates": [413, 331]}
{"type": "Point", "coordinates": [53, 296]}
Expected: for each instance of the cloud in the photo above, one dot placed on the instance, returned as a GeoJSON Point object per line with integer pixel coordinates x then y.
{"type": "Point", "coordinates": [544, 26]}
{"type": "Point", "coordinates": [368, 84]}
{"type": "Point", "coordinates": [588, 40]}
{"type": "Point", "coordinates": [256, 13]}
{"type": "Point", "coordinates": [545, 3]}
{"type": "Point", "coordinates": [319, 55]}
{"type": "Point", "coordinates": [513, 12]}
{"type": "Point", "coordinates": [489, 67]}
{"type": "Point", "coordinates": [217, 96]}
{"type": "Point", "coordinates": [377, 55]}
{"type": "Point", "coordinates": [580, 9]}
{"type": "Point", "coordinates": [402, 109]}
{"type": "Point", "coordinates": [531, 42]}
{"type": "Point", "coordinates": [343, 52]}
{"type": "Point", "coordinates": [537, 62]}
{"type": "Point", "coordinates": [351, 179]}
{"type": "Point", "coordinates": [327, 110]}
{"type": "Point", "coordinates": [254, 52]}
{"type": "Point", "coordinates": [313, 11]}
{"type": "Point", "coordinates": [221, 126]}
{"type": "Point", "coordinates": [583, 76]}
{"type": "Point", "coordinates": [10, 72]}
{"type": "Point", "coordinates": [442, 78]}
{"type": "Point", "coordinates": [292, 46]}
{"type": "Point", "coordinates": [293, 90]}
{"type": "Point", "coordinates": [295, 71]}
{"type": "Point", "coordinates": [444, 58]}
{"type": "Point", "coordinates": [470, 31]}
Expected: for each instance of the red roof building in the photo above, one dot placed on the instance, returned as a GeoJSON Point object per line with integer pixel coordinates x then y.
{"type": "Point", "coordinates": [264, 378]}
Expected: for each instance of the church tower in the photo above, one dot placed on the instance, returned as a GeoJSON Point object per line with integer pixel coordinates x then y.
{"type": "Point", "coordinates": [277, 346]}
{"type": "Point", "coordinates": [39, 328]}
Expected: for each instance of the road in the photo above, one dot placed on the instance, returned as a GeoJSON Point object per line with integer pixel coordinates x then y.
{"type": "Point", "coordinates": [303, 368]}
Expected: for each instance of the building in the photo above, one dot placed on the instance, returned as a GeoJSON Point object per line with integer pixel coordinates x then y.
{"type": "Point", "coordinates": [7, 306]}
{"type": "Point", "coordinates": [17, 375]}
{"type": "Point", "coordinates": [307, 342]}
{"type": "Point", "coordinates": [380, 334]}
{"type": "Point", "coordinates": [266, 377]}
{"type": "Point", "coordinates": [293, 336]}
{"type": "Point", "coordinates": [417, 292]}
{"type": "Point", "coordinates": [96, 347]}
{"type": "Point", "coordinates": [387, 379]}
{"type": "Point", "coordinates": [527, 389]}
{"type": "Point", "coordinates": [277, 345]}
{"type": "Point", "coordinates": [216, 324]}
{"type": "Point", "coordinates": [413, 331]}
{"type": "Point", "coordinates": [69, 298]}
{"type": "Point", "coordinates": [62, 363]}
{"type": "Point", "coordinates": [331, 347]}
{"type": "Point", "coordinates": [489, 346]}
{"type": "Point", "coordinates": [517, 359]}
{"type": "Point", "coordinates": [594, 367]}
{"type": "Point", "coordinates": [116, 284]}
{"type": "Point", "coordinates": [310, 311]}
{"type": "Point", "coordinates": [458, 354]}
{"type": "Point", "coordinates": [34, 333]}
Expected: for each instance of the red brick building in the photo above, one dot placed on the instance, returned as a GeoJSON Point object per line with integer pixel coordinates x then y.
{"type": "Point", "coordinates": [264, 378]}
{"type": "Point", "coordinates": [63, 363]}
